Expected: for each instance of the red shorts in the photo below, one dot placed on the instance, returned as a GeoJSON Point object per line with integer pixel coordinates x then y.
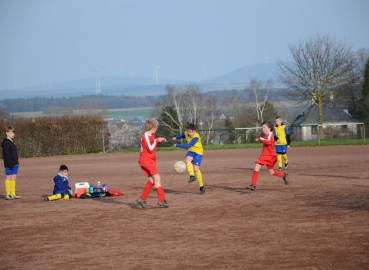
{"type": "Point", "coordinates": [268, 161]}
{"type": "Point", "coordinates": [149, 170]}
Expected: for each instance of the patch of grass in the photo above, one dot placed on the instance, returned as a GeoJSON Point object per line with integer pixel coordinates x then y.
{"type": "Point", "coordinates": [129, 112]}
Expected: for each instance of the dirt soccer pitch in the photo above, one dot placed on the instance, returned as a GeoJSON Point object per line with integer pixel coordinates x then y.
{"type": "Point", "coordinates": [319, 221]}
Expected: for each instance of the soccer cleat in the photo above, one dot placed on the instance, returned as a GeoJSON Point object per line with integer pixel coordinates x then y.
{"type": "Point", "coordinates": [164, 204]}
{"type": "Point", "coordinates": [17, 197]}
{"type": "Point", "coordinates": [286, 166]}
{"type": "Point", "coordinates": [285, 178]}
{"type": "Point", "coordinates": [192, 178]}
{"type": "Point", "coordinates": [251, 187]}
{"type": "Point", "coordinates": [141, 202]}
{"type": "Point", "coordinates": [202, 190]}
{"type": "Point", "coordinates": [46, 199]}
{"type": "Point", "coordinates": [280, 169]}
{"type": "Point", "coordinates": [9, 197]}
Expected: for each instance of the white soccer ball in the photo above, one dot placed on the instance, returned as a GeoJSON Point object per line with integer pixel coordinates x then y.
{"type": "Point", "coordinates": [179, 166]}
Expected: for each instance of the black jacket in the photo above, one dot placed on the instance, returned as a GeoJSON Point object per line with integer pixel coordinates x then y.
{"type": "Point", "coordinates": [10, 153]}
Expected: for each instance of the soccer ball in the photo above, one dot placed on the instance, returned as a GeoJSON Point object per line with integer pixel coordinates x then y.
{"type": "Point", "coordinates": [179, 166]}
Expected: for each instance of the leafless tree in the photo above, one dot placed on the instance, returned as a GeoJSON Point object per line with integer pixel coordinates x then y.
{"type": "Point", "coordinates": [259, 94]}
{"type": "Point", "coordinates": [127, 137]}
{"type": "Point", "coordinates": [172, 106]}
{"type": "Point", "coordinates": [319, 69]}
{"type": "Point", "coordinates": [193, 103]}
{"type": "Point", "coordinates": [210, 115]}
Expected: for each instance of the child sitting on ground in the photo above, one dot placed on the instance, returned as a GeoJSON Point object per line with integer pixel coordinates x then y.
{"type": "Point", "coordinates": [62, 190]}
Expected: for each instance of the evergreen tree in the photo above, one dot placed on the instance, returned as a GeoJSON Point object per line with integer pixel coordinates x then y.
{"type": "Point", "coordinates": [228, 124]}
{"type": "Point", "coordinates": [363, 111]}
{"type": "Point", "coordinates": [167, 127]}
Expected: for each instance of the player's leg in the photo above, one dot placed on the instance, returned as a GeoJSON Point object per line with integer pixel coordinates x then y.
{"type": "Point", "coordinates": [159, 190]}
{"type": "Point", "coordinates": [254, 177]}
{"type": "Point", "coordinates": [196, 165]}
{"type": "Point", "coordinates": [190, 168]}
{"type": "Point", "coordinates": [279, 158]}
{"type": "Point", "coordinates": [285, 157]}
{"type": "Point", "coordinates": [8, 186]}
{"type": "Point", "coordinates": [283, 175]}
{"type": "Point", "coordinates": [55, 197]}
{"type": "Point", "coordinates": [147, 189]}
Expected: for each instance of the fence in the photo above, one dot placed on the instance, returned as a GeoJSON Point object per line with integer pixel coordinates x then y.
{"type": "Point", "coordinates": [297, 133]}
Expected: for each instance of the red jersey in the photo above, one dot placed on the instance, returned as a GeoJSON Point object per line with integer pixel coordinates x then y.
{"type": "Point", "coordinates": [148, 146]}
{"type": "Point", "coordinates": [268, 156]}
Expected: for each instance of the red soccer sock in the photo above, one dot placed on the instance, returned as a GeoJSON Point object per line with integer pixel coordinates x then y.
{"type": "Point", "coordinates": [254, 178]}
{"type": "Point", "coordinates": [160, 192]}
{"type": "Point", "coordinates": [278, 173]}
{"type": "Point", "coordinates": [147, 190]}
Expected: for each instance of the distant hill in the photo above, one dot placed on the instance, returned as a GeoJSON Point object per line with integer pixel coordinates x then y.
{"type": "Point", "coordinates": [141, 86]}
{"type": "Point", "coordinates": [244, 74]}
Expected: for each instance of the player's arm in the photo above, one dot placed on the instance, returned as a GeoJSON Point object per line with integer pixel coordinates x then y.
{"type": "Point", "coordinates": [288, 138]}
{"type": "Point", "coordinates": [181, 136]}
{"type": "Point", "coordinates": [268, 141]}
{"type": "Point", "coordinates": [7, 156]}
{"type": "Point", "coordinates": [186, 146]}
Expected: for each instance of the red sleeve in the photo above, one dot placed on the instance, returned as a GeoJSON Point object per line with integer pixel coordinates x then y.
{"type": "Point", "coordinates": [268, 139]}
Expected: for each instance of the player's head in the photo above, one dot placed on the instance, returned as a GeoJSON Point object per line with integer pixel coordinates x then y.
{"type": "Point", "coordinates": [10, 132]}
{"type": "Point", "coordinates": [191, 129]}
{"type": "Point", "coordinates": [278, 120]}
{"type": "Point", "coordinates": [150, 124]}
{"type": "Point", "coordinates": [267, 126]}
{"type": "Point", "coordinates": [63, 170]}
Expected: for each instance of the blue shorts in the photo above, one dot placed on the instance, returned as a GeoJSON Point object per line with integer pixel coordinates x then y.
{"type": "Point", "coordinates": [8, 171]}
{"type": "Point", "coordinates": [281, 149]}
{"type": "Point", "coordinates": [196, 158]}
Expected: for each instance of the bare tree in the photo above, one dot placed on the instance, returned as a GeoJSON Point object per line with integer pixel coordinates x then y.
{"type": "Point", "coordinates": [171, 105]}
{"type": "Point", "coordinates": [193, 103]}
{"type": "Point", "coordinates": [259, 94]}
{"type": "Point", "coordinates": [318, 70]}
{"type": "Point", "coordinates": [210, 114]}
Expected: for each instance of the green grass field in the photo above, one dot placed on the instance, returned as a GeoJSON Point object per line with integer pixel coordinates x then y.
{"type": "Point", "coordinates": [115, 113]}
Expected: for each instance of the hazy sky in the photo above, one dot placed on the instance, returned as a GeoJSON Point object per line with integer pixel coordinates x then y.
{"type": "Point", "coordinates": [56, 40]}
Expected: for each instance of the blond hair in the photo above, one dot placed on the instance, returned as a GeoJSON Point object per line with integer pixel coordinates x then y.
{"type": "Point", "coordinates": [151, 123]}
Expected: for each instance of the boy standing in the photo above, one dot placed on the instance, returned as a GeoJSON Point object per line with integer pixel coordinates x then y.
{"type": "Point", "coordinates": [267, 157]}
{"type": "Point", "coordinates": [283, 142]}
{"type": "Point", "coordinates": [147, 162]}
{"type": "Point", "coordinates": [11, 164]}
{"type": "Point", "coordinates": [194, 154]}
{"type": "Point", "coordinates": [62, 190]}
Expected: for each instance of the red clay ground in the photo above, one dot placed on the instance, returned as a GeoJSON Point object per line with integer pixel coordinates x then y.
{"type": "Point", "coordinates": [319, 221]}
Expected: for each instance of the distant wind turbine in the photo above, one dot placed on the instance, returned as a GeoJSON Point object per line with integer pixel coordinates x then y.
{"type": "Point", "coordinates": [98, 89]}
{"type": "Point", "coordinates": [156, 70]}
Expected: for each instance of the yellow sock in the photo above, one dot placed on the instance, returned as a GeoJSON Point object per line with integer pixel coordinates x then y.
{"type": "Point", "coordinates": [55, 197]}
{"type": "Point", "coordinates": [199, 178]}
{"type": "Point", "coordinates": [7, 187]}
{"type": "Point", "coordinates": [285, 159]}
{"type": "Point", "coordinates": [12, 188]}
{"type": "Point", "coordinates": [66, 197]}
{"type": "Point", "coordinates": [190, 168]}
{"type": "Point", "coordinates": [279, 157]}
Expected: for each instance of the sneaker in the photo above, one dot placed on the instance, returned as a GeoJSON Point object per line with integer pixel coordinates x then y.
{"type": "Point", "coordinates": [9, 197]}
{"type": "Point", "coordinates": [202, 190]}
{"type": "Point", "coordinates": [17, 197]}
{"type": "Point", "coordinates": [164, 204]}
{"type": "Point", "coordinates": [251, 187]}
{"type": "Point", "coordinates": [46, 199]}
{"type": "Point", "coordinates": [285, 178]}
{"type": "Point", "coordinates": [192, 178]}
{"type": "Point", "coordinates": [280, 169]}
{"type": "Point", "coordinates": [286, 166]}
{"type": "Point", "coordinates": [141, 202]}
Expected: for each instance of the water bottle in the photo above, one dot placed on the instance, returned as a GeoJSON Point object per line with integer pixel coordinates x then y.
{"type": "Point", "coordinates": [91, 189]}
{"type": "Point", "coordinates": [106, 188]}
{"type": "Point", "coordinates": [98, 184]}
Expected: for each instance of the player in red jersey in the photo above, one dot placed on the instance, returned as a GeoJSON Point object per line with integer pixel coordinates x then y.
{"type": "Point", "coordinates": [267, 157]}
{"type": "Point", "coordinates": [147, 162]}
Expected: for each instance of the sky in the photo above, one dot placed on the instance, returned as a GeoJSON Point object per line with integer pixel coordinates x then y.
{"type": "Point", "coordinates": [48, 41]}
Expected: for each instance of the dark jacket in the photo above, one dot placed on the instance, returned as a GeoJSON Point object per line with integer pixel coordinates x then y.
{"type": "Point", "coordinates": [61, 185]}
{"type": "Point", "coordinates": [10, 153]}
